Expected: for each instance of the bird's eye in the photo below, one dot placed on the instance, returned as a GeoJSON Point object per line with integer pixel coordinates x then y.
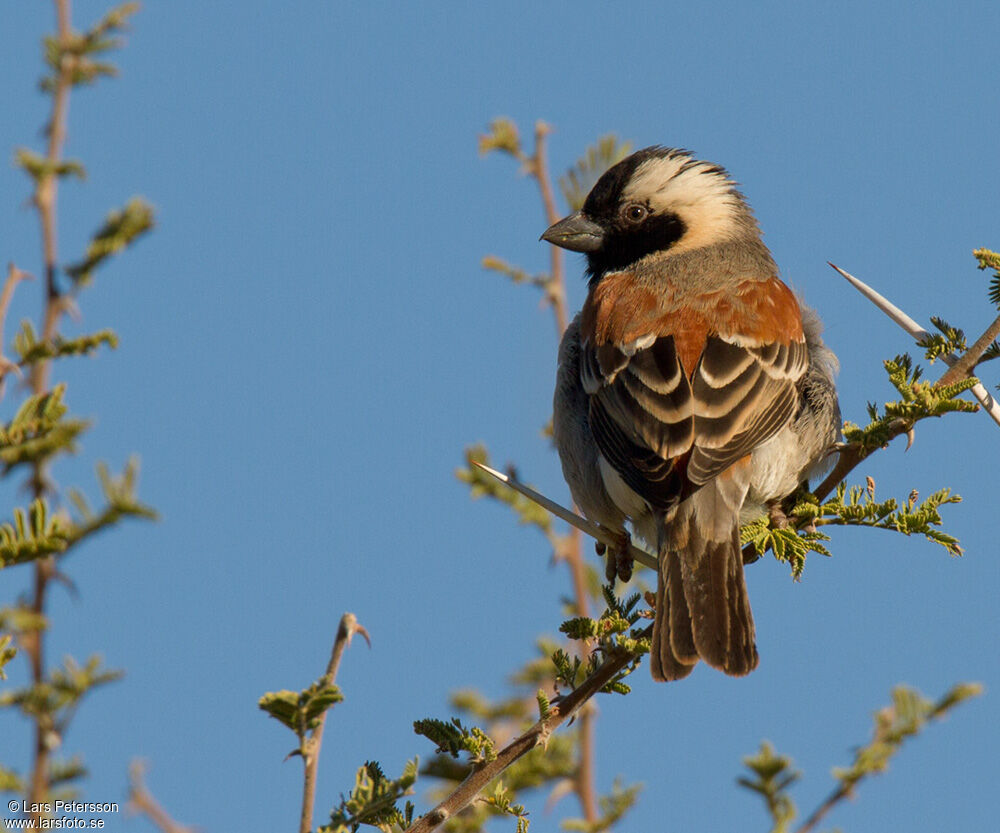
{"type": "Point", "coordinates": [634, 213]}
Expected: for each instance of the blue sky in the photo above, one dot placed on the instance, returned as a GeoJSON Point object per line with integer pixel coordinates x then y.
{"type": "Point", "coordinates": [308, 342]}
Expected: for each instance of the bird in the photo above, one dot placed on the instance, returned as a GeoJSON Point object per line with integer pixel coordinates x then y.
{"type": "Point", "coordinates": [693, 392]}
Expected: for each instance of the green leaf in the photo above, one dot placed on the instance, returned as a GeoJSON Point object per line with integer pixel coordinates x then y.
{"type": "Point", "coordinates": [373, 801]}
{"type": "Point", "coordinates": [990, 260]}
{"type": "Point", "coordinates": [597, 158]}
{"type": "Point", "coordinates": [502, 136]}
{"type": "Point", "coordinates": [772, 775]}
{"type": "Point", "coordinates": [7, 652]}
{"type": "Point", "coordinates": [905, 718]}
{"type": "Point", "coordinates": [453, 738]}
{"type": "Point", "coordinates": [30, 350]}
{"type": "Point", "coordinates": [949, 340]}
{"type": "Point", "coordinates": [39, 167]}
{"type": "Point", "coordinates": [32, 535]}
{"type": "Point", "coordinates": [72, 57]}
{"type": "Point", "coordinates": [120, 229]}
{"type": "Point", "coordinates": [10, 781]}
{"type": "Point", "coordinates": [301, 711]}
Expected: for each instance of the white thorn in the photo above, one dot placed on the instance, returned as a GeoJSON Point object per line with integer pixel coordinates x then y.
{"type": "Point", "coordinates": [985, 398]}
{"type": "Point", "coordinates": [587, 527]}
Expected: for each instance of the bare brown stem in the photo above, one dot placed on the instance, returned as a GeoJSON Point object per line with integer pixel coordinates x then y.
{"type": "Point", "coordinates": [572, 553]}
{"type": "Point", "coordinates": [141, 801]}
{"type": "Point", "coordinates": [967, 362]}
{"type": "Point", "coordinates": [45, 197]}
{"type": "Point", "coordinates": [561, 711]}
{"type": "Point", "coordinates": [311, 746]}
{"type": "Point", "coordinates": [820, 812]}
{"type": "Point", "coordinates": [539, 166]}
{"type": "Point", "coordinates": [14, 276]}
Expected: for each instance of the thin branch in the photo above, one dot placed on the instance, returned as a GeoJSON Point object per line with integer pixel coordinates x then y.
{"type": "Point", "coordinates": [141, 801]}
{"type": "Point", "coordinates": [990, 405]}
{"type": "Point", "coordinates": [963, 368]}
{"type": "Point", "coordinates": [14, 276]}
{"type": "Point", "coordinates": [539, 167]}
{"type": "Point", "coordinates": [311, 747]}
{"type": "Point", "coordinates": [572, 552]}
{"type": "Point", "coordinates": [561, 711]}
{"type": "Point", "coordinates": [838, 795]}
{"type": "Point", "coordinates": [46, 191]}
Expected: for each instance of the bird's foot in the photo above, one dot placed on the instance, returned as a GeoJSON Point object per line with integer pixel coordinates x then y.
{"type": "Point", "coordinates": [776, 515]}
{"type": "Point", "coordinates": [619, 562]}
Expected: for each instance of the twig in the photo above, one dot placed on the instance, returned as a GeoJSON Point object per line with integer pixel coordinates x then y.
{"type": "Point", "coordinates": [838, 795]}
{"type": "Point", "coordinates": [14, 276]}
{"type": "Point", "coordinates": [141, 801]}
{"type": "Point", "coordinates": [963, 368]}
{"type": "Point", "coordinates": [46, 191]}
{"type": "Point", "coordinates": [311, 746]}
{"type": "Point", "coordinates": [572, 553]}
{"type": "Point", "coordinates": [539, 167]}
{"type": "Point", "coordinates": [538, 734]}
{"type": "Point", "coordinates": [985, 398]}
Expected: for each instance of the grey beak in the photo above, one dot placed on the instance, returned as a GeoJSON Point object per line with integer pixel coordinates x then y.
{"type": "Point", "coordinates": [576, 233]}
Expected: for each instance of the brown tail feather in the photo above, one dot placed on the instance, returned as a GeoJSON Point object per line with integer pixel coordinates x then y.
{"type": "Point", "coordinates": [702, 609]}
{"type": "Point", "coordinates": [673, 652]}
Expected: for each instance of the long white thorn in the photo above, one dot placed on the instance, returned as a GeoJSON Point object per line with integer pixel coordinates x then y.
{"type": "Point", "coordinates": [985, 398]}
{"type": "Point", "coordinates": [595, 531]}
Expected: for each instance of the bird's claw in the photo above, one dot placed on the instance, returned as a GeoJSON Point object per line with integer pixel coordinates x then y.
{"type": "Point", "coordinates": [619, 562]}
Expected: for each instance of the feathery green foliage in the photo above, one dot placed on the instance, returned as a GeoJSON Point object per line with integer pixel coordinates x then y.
{"type": "Point", "coordinates": [41, 429]}
{"type": "Point", "coordinates": [919, 400]}
{"type": "Point", "coordinates": [988, 259]}
{"type": "Point", "coordinates": [596, 159]}
{"type": "Point", "coordinates": [120, 229]}
{"type": "Point", "coordinates": [503, 136]}
{"type": "Point", "coordinates": [612, 808]}
{"type": "Point", "coordinates": [33, 534]}
{"type": "Point", "coordinates": [452, 737]}
{"type": "Point", "coordinates": [772, 775]}
{"type": "Point", "coordinates": [501, 802]}
{"type": "Point", "coordinates": [7, 652]}
{"type": "Point", "coordinates": [948, 340]}
{"type": "Point", "coordinates": [10, 781]}
{"type": "Point", "coordinates": [120, 501]}
{"type": "Point", "coordinates": [55, 698]}
{"type": "Point", "coordinates": [849, 507]}
{"type": "Point", "coordinates": [30, 350]}
{"type": "Point", "coordinates": [373, 801]}
{"type": "Point", "coordinates": [788, 544]}
{"type": "Point", "coordinates": [300, 711]}
{"type": "Point", "coordinates": [80, 49]}
{"type": "Point", "coordinates": [612, 632]}
{"type": "Point", "coordinates": [39, 167]}
{"type": "Point", "coordinates": [905, 718]}
{"type": "Point", "coordinates": [38, 431]}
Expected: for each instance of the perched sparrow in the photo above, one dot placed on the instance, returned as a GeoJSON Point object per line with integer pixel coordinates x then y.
{"type": "Point", "coordinates": [693, 391]}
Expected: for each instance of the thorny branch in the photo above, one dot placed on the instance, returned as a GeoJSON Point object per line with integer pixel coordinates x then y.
{"type": "Point", "coordinates": [963, 368]}
{"type": "Point", "coordinates": [311, 746]}
{"type": "Point", "coordinates": [561, 711]}
{"type": "Point", "coordinates": [570, 549]}
{"type": "Point", "coordinates": [140, 800]}
{"type": "Point", "coordinates": [45, 197]}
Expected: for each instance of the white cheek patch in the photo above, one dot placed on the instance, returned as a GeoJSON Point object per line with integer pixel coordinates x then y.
{"type": "Point", "coordinates": [697, 192]}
